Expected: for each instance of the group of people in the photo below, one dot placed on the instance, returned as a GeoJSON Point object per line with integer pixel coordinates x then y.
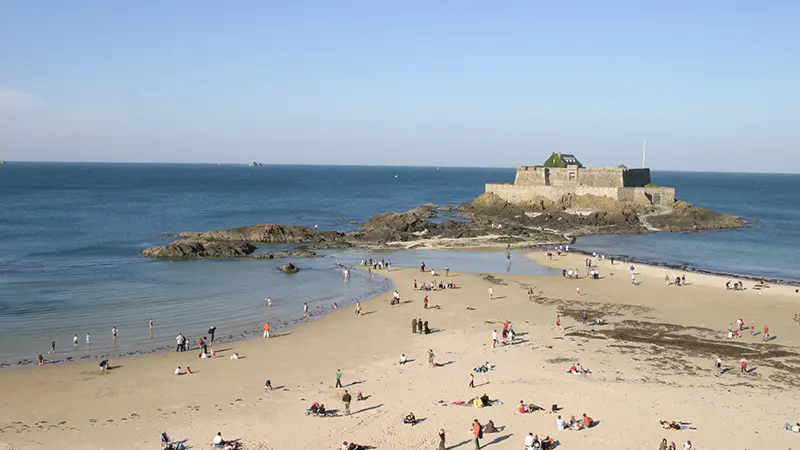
{"type": "Point", "coordinates": [574, 424]}
{"type": "Point", "coordinates": [434, 285]}
{"type": "Point", "coordinates": [736, 332]}
{"type": "Point", "coordinates": [418, 326]}
{"type": "Point", "coordinates": [671, 446]}
{"type": "Point", "coordinates": [375, 264]}
{"type": "Point", "coordinates": [533, 442]}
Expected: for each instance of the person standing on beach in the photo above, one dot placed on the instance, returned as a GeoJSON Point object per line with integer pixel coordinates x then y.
{"type": "Point", "coordinates": [338, 378]}
{"type": "Point", "coordinates": [753, 329]}
{"type": "Point", "coordinates": [419, 325]}
{"type": "Point", "coordinates": [494, 338]}
{"type": "Point", "coordinates": [346, 398]}
{"type": "Point", "coordinates": [477, 431]}
{"type": "Point", "coordinates": [743, 363]}
{"type": "Point", "coordinates": [491, 293]}
{"type": "Point", "coordinates": [267, 326]}
{"type": "Point", "coordinates": [52, 348]}
{"type": "Point", "coordinates": [441, 440]}
{"type": "Point", "coordinates": [578, 291]}
{"type": "Point", "coordinates": [75, 341]}
{"type": "Point", "coordinates": [472, 381]}
{"type": "Point", "coordinates": [179, 342]}
{"type": "Point", "coordinates": [414, 325]}
{"type": "Point", "coordinates": [718, 365]}
{"type": "Point", "coordinates": [425, 302]}
{"type": "Point", "coordinates": [447, 274]}
{"type": "Point", "coordinates": [431, 356]}
{"type": "Point", "coordinates": [358, 308]}
{"type": "Point", "coordinates": [211, 331]}
{"type": "Point", "coordinates": [305, 310]}
{"type": "Point", "coordinates": [558, 322]}
{"type": "Point", "coordinates": [585, 318]}
{"type": "Point", "coordinates": [766, 333]}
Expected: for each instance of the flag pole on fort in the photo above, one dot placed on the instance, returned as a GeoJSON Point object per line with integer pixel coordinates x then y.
{"type": "Point", "coordinates": [644, 153]}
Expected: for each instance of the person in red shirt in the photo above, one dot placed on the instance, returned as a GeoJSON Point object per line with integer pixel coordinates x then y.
{"type": "Point", "coordinates": [766, 333]}
{"type": "Point", "coordinates": [477, 431]}
{"type": "Point", "coordinates": [744, 365]}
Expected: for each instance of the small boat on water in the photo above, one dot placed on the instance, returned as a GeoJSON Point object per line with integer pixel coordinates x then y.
{"type": "Point", "coordinates": [255, 164]}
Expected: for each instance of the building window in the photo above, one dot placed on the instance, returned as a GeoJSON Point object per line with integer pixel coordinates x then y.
{"type": "Point", "coordinates": [572, 176]}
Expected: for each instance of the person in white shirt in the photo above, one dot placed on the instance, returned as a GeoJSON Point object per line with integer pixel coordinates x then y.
{"type": "Point", "coordinates": [529, 441]}
{"type": "Point", "coordinates": [560, 424]}
{"type": "Point", "coordinates": [178, 371]}
{"type": "Point", "coordinates": [403, 359]}
{"type": "Point", "coordinates": [687, 445]}
{"type": "Point", "coordinates": [218, 441]}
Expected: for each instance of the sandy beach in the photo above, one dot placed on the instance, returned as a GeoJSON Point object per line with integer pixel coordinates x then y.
{"type": "Point", "coordinates": [652, 361]}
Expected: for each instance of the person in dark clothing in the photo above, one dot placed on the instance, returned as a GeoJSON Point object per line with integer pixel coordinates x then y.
{"type": "Point", "coordinates": [441, 440]}
{"type": "Point", "coordinates": [346, 398]}
{"type": "Point", "coordinates": [413, 325]}
{"type": "Point", "coordinates": [211, 332]}
{"type": "Point", "coordinates": [419, 325]}
{"type": "Point", "coordinates": [425, 328]}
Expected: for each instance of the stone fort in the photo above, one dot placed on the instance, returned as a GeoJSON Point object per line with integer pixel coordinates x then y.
{"type": "Point", "coordinates": [564, 174]}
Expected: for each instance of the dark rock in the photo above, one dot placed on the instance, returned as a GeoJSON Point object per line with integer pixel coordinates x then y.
{"type": "Point", "coordinates": [296, 253]}
{"type": "Point", "coordinates": [186, 249]}
{"type": "Point", "coordinates": [288, 268]}
{"type": "Point", "coordinates": [271, 234]}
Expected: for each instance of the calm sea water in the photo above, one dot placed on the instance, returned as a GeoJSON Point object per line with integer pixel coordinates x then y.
{"type": "Point", "coordinates": [71, 237]}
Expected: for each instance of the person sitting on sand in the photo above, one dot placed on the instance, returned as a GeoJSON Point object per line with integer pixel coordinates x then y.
{"type": "Point", "coordinates": [235, 355]}
{"type": "Point", "coordinates": [587, 421]}
{"type": "Point", "coordinates": [218, 441]}
{"type": "Point", "coordinates": [663, 445]}
{"type": "Point", "coordinates": [528, 408]}
{"type": "Point", "coordinates": [560, 424]}
{"type": "Point", "coordinates": [188, 370]}
{"type": "Point", "coordinates": [410, 419]}
{"type": "Point", "coordinates": [352, 446]}
{"type": "Point", "coordinates": [599, 321]}
{"type": "Point", "coordinates": [314, 408]}
{"type": "Point", "coordinates": [178, 371]}
{"type": "Point", "coordinates": [403, 359]}
{"type": "Point", "coordinates": [547, 443]}
{"type": "Point", "coordinates": [104, 365]}
{"type": "Point", "coordinates": [490, 428]}
{"type": "Point", "coordinates": [531, 442]}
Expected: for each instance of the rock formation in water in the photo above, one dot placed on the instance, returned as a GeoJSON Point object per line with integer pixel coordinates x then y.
{"type": "Point", "coordinates": [188, 248]}
{"type": "Point", "coordinates": [486, 220]}
{"type": "Point", "coordinates": [288, 268]}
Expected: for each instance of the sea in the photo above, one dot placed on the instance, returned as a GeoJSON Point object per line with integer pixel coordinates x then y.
{"type": "Point", "coordinates": [71, 237]}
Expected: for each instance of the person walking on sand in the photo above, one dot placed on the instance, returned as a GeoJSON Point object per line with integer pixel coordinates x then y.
{"type": "Point", "coordinates": [766, 333]}
{"type": "Point", "coordinates": [211, 331]}
{"type": "Point", "coordinates": [425, 302]}
{"type": "Point", "coordinates": [753, 329]}
{"type": "Point", "coordinates": [558, 322]}
{"type": "Point", "coordinates": [346, 398]}
{"type": "Point", "coordinates": [578, 291]}
{"type": "Point", "coordinates": [267, 326]}
{"type": "Point", "coordinates": [494, 338]}
{"type": "Point", "coordinates": [477, 432]}
{"type": "Point", "coordinates": [338, 378]}
{"type": "Point", "coordinates": [472, 380]}
{"type": "Point", "coordinates": [414, 325]}
{"type": "Point", "coordinates": [491, 293]}
{"type": "Point", "coordinates": [358, 308]}
{"type": "Point", "coordinates": [447, 271]}
{"type": "Point", "coordinates": [431, 356]}
{"type": "Point", "coordinates": [718, 365]}
{"type": "Point", "coordinates": [441, 440]}
{"type": "Point", "coordinates": [743, 363]}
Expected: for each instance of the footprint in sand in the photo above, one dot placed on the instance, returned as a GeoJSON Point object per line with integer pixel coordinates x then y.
{"type": "Point", "coordinates": [93, 420]}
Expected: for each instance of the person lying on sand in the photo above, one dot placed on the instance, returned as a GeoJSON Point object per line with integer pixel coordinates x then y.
{"type": "Point", "coordinates": [793, 428]}
{"type": "Point", "coordinates": [352, 446]}
{"type": "Point", "coordinates": [578, 370]}
{"type": "Point", "coordinates": [528, 408]}
{"type": "Point", "coordinates": [410, 419]}
{"type": "Point", "coordinates": [673, 425]}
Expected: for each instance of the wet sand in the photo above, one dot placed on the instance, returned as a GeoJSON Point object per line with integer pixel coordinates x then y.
{"type": "Point", "coordinates": [652, 361]}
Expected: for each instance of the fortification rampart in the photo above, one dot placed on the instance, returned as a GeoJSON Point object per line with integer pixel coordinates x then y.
{"type": "Point", "coordinates": [516, 194]}
{"type": "Point", "coordinates": [578, 176]}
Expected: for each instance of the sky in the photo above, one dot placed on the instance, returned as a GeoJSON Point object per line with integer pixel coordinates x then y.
{"type": "Point", "coordinates": [711, 85]}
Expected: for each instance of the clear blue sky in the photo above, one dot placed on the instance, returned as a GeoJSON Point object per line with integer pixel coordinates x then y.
{"type": "Point", "coordinates": [711, 85]}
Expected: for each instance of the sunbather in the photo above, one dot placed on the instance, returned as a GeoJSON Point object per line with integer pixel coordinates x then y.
{"type": "Point", "coordinates": [410, 419]}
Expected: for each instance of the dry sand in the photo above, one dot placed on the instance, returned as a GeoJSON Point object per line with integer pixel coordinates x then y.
{"type": "Point", "coordinates": [652, 361]}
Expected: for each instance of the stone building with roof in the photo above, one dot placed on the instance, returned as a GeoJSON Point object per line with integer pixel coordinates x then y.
{"type": "Point", "coordinates": [563, 174]}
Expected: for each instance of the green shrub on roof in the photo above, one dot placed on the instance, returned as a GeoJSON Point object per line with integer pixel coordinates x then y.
{"type": "Point", "coordinates": [554, 161]}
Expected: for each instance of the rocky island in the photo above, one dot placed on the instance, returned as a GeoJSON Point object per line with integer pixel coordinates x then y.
{"type": "Point", "coordinates": [549, 204]}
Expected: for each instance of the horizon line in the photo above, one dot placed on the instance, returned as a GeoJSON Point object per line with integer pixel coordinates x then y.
{"type": "Point", "coordinates": [246, 164]}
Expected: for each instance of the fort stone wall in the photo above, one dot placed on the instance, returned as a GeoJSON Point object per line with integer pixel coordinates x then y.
{"type": "Point", "coordinates": [513, 193]}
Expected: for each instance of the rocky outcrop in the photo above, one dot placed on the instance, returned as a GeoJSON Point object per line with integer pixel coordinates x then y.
{"type": "Point", "coordinates": [294, 253]}
{"type": "Point", "coordinates": [274, 234]}
{"type": "Point", "coordinates": [288, 268]}
{"type": "Point", "coordinates": [188, 248]}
